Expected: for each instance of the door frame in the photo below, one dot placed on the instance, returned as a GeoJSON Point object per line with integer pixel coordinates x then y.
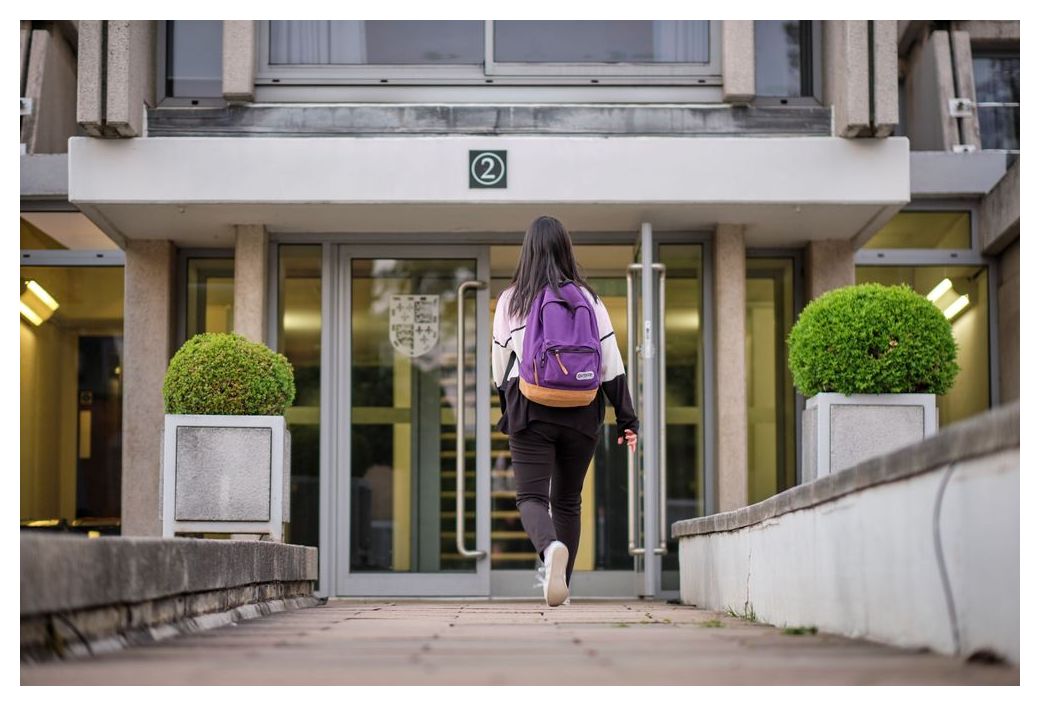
{"type": "Point", "coordinates": [335, 391]}
{"type": "Point", "coordinates": [336, 447]}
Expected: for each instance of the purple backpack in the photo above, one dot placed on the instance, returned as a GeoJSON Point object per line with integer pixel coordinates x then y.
{"type": "Point", "coordinates": [560, 363]}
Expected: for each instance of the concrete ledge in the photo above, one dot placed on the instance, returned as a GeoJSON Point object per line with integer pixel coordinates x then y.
{"type": "Point", "coordinates": [44, 176]}
{"type": "Point", "coordinates": [68, 573]}
{"type": "Point", "coordinates": [949, 175]}
{"type": "Point", "coordinates": [918, 548]}
{"type": "Point", "coordinates": [982, 435]}
{"type": "Point", "coordinates": [505, 119]}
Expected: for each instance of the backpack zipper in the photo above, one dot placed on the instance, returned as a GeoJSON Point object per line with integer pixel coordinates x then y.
{"type": "Point", "coordinates": [560, 362]}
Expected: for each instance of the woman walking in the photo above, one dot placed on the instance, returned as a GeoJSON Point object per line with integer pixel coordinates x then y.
{"type": "Point", "coordinates": [554, 359]}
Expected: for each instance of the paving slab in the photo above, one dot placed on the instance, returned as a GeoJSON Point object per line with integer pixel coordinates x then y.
{"type": "Point", "coordinates": [511, 643]}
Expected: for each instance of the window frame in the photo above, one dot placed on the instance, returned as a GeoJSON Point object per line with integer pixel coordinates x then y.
{"type": "Point", "coordinates": [814, 62]}
{"type": "Point", "coordinates": [996, 53]}
{"type": "Point", "coordinates": [909, 257]}
{"type": "Point", "coordinates": [490, 72]}
{"type": "Point", "coordinates": [162, 99]}
{"type": "Point", "coordinates": [183, 255]}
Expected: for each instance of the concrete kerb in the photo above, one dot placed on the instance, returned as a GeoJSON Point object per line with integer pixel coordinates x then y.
{"type": "Point", "coordinates": [95, 595]}
{"type": "Point", "coordinates": [987, 433]}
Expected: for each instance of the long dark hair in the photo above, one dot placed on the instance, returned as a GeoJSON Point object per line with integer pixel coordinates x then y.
{"type": "Point", "coordinates": [546, 260]}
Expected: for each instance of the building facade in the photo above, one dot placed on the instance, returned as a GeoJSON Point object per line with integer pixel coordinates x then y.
{"type": "Point", "coordinates": [297, 181]}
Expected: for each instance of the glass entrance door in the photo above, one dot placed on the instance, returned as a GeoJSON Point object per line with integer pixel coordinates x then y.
{"type": "Point", "coordinates": [412, 451]}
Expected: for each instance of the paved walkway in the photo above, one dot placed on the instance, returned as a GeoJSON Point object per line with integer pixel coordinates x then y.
{"type": "Point", "coordinates": [492, 642]}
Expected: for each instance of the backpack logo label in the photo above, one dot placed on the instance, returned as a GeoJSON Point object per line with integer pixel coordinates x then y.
{"type": "Point", "coordinates": [584, 375]}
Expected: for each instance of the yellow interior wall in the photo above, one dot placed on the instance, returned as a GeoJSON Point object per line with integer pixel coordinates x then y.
{"type": "Point", "coordinates": [46, 453]}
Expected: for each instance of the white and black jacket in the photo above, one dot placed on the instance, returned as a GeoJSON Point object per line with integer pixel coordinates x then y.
{"type": "Point", "coordinates": [517, 410]}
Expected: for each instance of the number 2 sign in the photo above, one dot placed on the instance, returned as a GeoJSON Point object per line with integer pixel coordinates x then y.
{"type": "Point", "coordinates": [487, 169]}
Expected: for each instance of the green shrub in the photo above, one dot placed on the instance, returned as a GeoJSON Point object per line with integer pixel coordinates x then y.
{"type": "Point", "coordinates": [872, 339]}
{"type": "Point", "coordinates": [224, 373]}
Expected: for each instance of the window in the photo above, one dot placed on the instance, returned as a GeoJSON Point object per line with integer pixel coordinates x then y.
{"type": "Point", "coordinates": [785, 66]}
{"type": "Point", "coordinates": [585, 42]}
{"type": "Point", "coordinates": [477, 52]}
{"type": "Point", "coordinates": [376, 42]}
{"type": "Point", "coordinates": [931, 249]}
{"type": "Point", "coordinates": [71, 397]}
{"type": "Point", "coordinates": [770, 302]}
{"type": "Point", "coordinates": [210, 295]}
{"type": "Point", "coordinates": [193, 53]}
{"type": "Point", "coordinates": [997, 98]}
{"type": "Point", "coordinates": [925, 230]}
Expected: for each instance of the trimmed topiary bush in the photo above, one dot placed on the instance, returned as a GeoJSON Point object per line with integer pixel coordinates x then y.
{"type": "Point", "coordinates": [872, 339]}
{"type": "Point", "coordinates": [225, 373]}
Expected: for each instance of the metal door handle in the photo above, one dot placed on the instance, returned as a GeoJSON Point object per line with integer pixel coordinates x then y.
{"type": "Point", "coordinates": [662, 477]}
{"type": "Point", "coordinates": [633, 550]}
{"type": "Point", "coordinates": [460, 423]}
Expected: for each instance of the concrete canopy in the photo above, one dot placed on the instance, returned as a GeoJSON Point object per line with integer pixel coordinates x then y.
{"type": "Point", "coordinates": [786, 190]}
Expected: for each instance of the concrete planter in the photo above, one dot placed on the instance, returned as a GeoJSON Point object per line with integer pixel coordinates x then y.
{"type": "Point", "coordinates": [225, 473]}
{"type": "Point", "coordinates": [839, 431]}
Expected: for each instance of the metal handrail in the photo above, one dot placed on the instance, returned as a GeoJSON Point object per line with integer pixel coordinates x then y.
{"type": "Point", "coordinates": [460, 423]}
{"type": "Point", "coordinates": [662, 454]}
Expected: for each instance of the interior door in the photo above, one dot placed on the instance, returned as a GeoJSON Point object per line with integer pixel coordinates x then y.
{"type": "Point", "coordinates": [411, 516]}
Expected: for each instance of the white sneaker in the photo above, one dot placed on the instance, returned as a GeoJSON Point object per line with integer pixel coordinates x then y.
{"type": "Point", "coordinates": [556, 556]}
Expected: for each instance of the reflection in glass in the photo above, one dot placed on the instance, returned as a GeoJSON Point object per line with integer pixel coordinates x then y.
{"type": "Point", "coordinates": [299, 339]}
{"type": "Point", "coordinates": [404, 325]}
{"type": "Point", "coordinates": [924, 230]}
{"type": "Point", "coordinates": [684, 393]}
{"type": "Point", "coordinates": [778, 57]}
{"type": "Point", "coordinates": [376, 42]}
{"type": "Point", "coordinates": [210, 296]}
{"type": "Point", "coordinates": [71, 395]}
{"type": "Point", "coordinates": [997, 100]}
{"type": "Point", "coordinates": [770, 388]}
{"type": "Point", "coordinates": [194, 58]}
{"type": "Point", "coordinates": [970, 394]}
{"type": "Point", "coordinates": [602, 41]}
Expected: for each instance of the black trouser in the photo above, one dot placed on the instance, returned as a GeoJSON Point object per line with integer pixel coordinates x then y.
{"type": "Point", "coordinates": [544, 451]}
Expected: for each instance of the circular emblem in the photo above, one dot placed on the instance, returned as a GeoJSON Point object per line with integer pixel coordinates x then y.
{"type": "Point", "coordinates": [487, 168]}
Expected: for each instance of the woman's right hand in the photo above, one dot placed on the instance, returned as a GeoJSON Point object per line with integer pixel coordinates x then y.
{"type": "Point", "coordinates": [630, 438]}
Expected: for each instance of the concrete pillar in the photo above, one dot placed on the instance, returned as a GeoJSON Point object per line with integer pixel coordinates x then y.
{"type": "Point", "coordinates": [885, 118]}
{"type": "Point", "coordinates": [964, 84]}
{"type": "Point", "coordinates": [147, 340]}
{"type": "Point", "coordinates": [929, 87]}
{"type": "Point", "coordinates": [731, 438]}
{"type": "Point", "coordinates": [239, 54]}
{"type": "Point", "coordinates": [846, 76]}
{"type": "Point", "coordinates": [251, 282]}
{"type": "Point", "coordinates": [1008, 322]}
{"type": "Point", "coordinates": [116, 76]}
{"type": "Point", "coordinates": [830, 264]}
{"type": "Point", "coordinates": [738, 61]}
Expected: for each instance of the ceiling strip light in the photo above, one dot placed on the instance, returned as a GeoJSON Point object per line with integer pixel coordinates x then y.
{"type": "Point", "coordinates": [957, 306]}
{"type": "Point", "coordinates": [42, 293]}
{"type": "Point", "coordinates": [940, 289]}
{"type": "Point", "coordinates": [28, 313]}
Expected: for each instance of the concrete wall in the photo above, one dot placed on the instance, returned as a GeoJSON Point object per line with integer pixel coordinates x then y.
{"type": "Point", "coordinates": [147, 340]}
{"type": "Point", "coordinates": [50, 82]}
{"type": "Point", "coordinates": [1000, 213]}
{"type": "Point", "coordinates": [855, 553]}
{"type": "Point", "coordinates": [731, 447]}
